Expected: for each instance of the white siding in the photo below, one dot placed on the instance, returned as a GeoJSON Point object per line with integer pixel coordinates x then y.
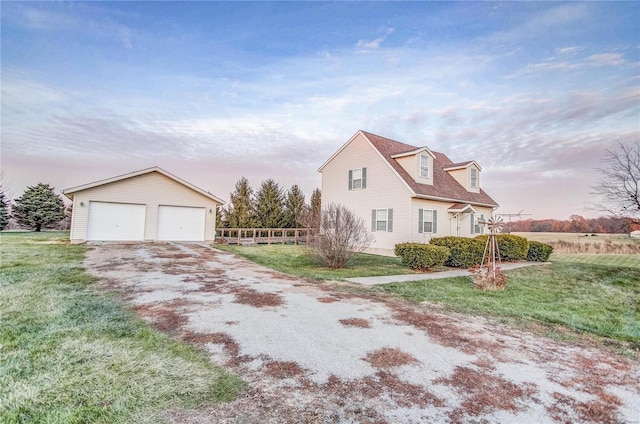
{"type": "Point", "coordinates": [384, 190]}
{"type": "Point", "coordinates": [449, 224]}
{"type": "Point", "coordinates": [151, 189]}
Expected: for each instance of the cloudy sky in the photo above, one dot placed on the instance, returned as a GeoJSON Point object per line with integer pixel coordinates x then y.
{"type": "Point", "coordinates": [212, 91]}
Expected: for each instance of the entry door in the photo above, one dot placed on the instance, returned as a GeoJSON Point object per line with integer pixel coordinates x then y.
{"type": "Point", "coordinates": [116, 221]}
{"type": "Point", "coordinates": [181, 223]}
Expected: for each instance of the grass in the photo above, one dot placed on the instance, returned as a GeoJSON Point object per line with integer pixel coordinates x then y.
{"type": "Point", "coordinates": [585, 293]}
{"type": "Point", "coordinates": [626, 261]}
{"type": "Point", "coordinates": [293, 260]}
{"type": "Point", "coordinates": [598, 299]}
{"type": "Point", "coordinates": [72, 354]}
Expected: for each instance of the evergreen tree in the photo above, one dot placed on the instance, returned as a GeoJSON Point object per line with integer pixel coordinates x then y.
{"type": "Point", "coordinates": [241, 209]}
{"type": "Point", "coordinates": [4, 211]}
{"type": "Point", "coordinates": [315, 208]}
{"type": "Point", "coordinates": [293, 207]}
{"type": "Point", "coordinates": [38, 207]}
{"type": "Point", "coordinates": [221, 217]}
{"type": "Point", "coordinates": [270, 205]}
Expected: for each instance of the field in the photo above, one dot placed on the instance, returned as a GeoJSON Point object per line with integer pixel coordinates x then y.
{"type": "Point", "coordinates": [71, 353]}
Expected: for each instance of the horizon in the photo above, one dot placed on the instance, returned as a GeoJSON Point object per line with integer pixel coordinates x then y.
{"type": "Point", "coordinates": [214, 91]}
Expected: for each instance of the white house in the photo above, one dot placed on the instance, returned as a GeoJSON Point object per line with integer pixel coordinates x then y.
{"type": "Point", "coordinates": [146, 205]}
{"type": "Point", "coordinates": [406, 193]}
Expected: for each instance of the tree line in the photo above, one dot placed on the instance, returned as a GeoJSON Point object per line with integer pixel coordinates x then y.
{"type": "Point", "coordinates": [575, 224]}
{"type": "Point", "coordinates": [269, 207]}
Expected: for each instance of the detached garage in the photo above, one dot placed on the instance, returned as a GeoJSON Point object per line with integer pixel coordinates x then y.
{"type": "Point", "coordinates": [146, 205]}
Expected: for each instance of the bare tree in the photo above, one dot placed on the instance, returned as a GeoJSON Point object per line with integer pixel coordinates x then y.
{"type": "Point", "coordinates": [619, 188]}
{"type": "Point", "coordinates": [342, 235]}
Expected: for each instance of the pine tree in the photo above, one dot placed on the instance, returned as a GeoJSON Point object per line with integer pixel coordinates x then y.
{"type": "Point", "coordinates": [315, 208]}
{"type": "Point", "coordinates": [4, 211]}
{"type": "Point", "coordinates": [221, 217]}
{"type": "Point", "coordinates": [293, 207]}
{"type": "Point", "coordinates": [241, 209]}
{"type": "Point", "coordinates": [270, 205]}
{"type": "Point", "coordinates": [38, 207]}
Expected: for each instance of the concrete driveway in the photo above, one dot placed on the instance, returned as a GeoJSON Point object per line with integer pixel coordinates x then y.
{"type": "Point", "coordinates": [314, 354]}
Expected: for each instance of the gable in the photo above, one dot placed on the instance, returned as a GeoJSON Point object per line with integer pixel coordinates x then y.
{"type": "Point", "coordinates": [444, 187]}
{"type": "Point", "coordinates": [151, 182]}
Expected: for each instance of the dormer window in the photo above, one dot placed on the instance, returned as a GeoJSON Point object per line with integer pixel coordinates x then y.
{"type": "Point", "coordinates": [474, 177]}
{"type": "Point", "coordinates": [424, 166]}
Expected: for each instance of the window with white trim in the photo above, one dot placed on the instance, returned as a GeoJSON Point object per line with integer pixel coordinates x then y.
{"type": "Point", "coordinates": [427, 221]}
{"type": "Point", "coordinates": [424, 166]}
{"type": "Point", "coordinates": [476, 227]}
{"type": "Point", "coordinates": [474, 177]}
{"type": "Point", "coordinates": [357, 178]}
{"type": "Point", "coordinates": [382, 220]}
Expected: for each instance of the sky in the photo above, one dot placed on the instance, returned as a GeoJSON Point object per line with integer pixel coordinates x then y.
{"type": "Point", "coordinates": [535, 92]}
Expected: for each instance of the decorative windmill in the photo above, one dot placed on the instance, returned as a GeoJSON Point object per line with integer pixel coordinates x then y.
{"type": "Point", "coordinates": [491, 251]}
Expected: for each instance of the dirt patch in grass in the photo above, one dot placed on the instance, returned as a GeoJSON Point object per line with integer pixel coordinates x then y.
{"type": "Point", "coordinates": [388, 357]}
{"type": "Point", "coordinates": [281, 370]}
{"type": "Point", "coordinates": [485, 392]}
{"type": "Point", "coordinates": [256, 299]}
{"type": "Point", "coordinates": [355, 322]}
{"type": "Point", "coordinates": [328, 299]}
{"type": "Point", "coordinates": [163, 316]}
{"type": "Point", "coordinates": [404, 394]}
{"type": "Point", "coordinates": [566, 408]}
{"type": "Point", "coordinates": [229, 345]}
{"type": "Point", "coordinates": [446, 332]}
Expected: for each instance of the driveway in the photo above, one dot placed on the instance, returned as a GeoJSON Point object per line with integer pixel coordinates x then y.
{"type": "Point", "coordinates": [315, 354]}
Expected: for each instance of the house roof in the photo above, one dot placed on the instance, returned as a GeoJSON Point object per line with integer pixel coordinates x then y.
{"type": "Point", "coordinates": [461, 207]}
{"type": "Point", "coordinates": [444, 187]}
{"type": "Point", "coordinates": [69, 192]}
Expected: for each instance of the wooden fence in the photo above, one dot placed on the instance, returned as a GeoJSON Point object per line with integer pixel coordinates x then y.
{"type": "Point", "coordinates": [264, 235]}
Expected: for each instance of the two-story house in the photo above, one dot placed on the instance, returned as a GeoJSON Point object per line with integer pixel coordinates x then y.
{"type": "Point", "coordinates": [406, 193]}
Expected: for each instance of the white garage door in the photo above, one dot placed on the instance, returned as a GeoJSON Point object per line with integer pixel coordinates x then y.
{"type": "Point", "coordinates": [180, 223]}
{"type": "Point", "coordinates": [116, 221]}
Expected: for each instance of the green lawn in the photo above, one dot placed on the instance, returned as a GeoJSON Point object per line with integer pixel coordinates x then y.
{"type": "Point", "coordinates": [628, 261]}
{"type": "Point", "coordinates": [598, 299]}
{"type": "Point", "coordinates": [293, 260]}
{"type": "Point", "coordinates": [72, 354]}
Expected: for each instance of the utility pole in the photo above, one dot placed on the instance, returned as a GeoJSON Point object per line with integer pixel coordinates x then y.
{"type": "Point", "coordinates": [510, 215]}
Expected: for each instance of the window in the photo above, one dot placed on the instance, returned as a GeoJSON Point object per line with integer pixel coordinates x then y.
{"type": "Point", "coordinates": [427, 221]}
{"type": "Point", "coordinates": [476, 227]}
{"type": "Point", "coordinates": [424, 166]}
{"type": "Point", "coordinates": [382, 220]}
{"type": "Point", "coordinates": [474, 177]}
{"type": "Point", "coordinates": [357, 178]}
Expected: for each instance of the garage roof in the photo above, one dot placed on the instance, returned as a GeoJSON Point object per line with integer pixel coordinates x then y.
{"type": "Point", "coordinates": [69, 192]}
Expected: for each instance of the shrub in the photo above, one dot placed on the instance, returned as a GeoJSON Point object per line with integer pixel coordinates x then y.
{"type": "Point", "coordinates": [512, 248]}
{"type": "Point", "coordinates": [342, 235]}
{"type": "Point", "coordinates": [539, 252]}
{"type": "Point", "coordinates": [485, 278]}
{"type": "Point", "coordinates": [421, 256]}
{"type": "Point", "coordinates": [464, 252]}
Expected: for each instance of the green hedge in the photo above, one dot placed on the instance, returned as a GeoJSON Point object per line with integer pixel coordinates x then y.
{"type": "Point", "coordinates": [512, 248]}
{"type": "Point", "coordinates": [464, 252]}
{"type": "Point", "coordinates": [421, 256]}
{"type": "Point", "coordinates": [539, 252]}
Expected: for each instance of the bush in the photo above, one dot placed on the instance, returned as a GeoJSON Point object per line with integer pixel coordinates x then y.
{"type": "Point", "coordinates": [421, 256]}
{"type": "Point", "coordinates": [512, 248]}
{"type": "Point", "coordinates": [342, 235]}
{"type": "Point", "coordinates": [539, 252]}
{"type": "Point", "coordinates": [486, 278]}
{"type": "Point", "coordinates": [464, 252]}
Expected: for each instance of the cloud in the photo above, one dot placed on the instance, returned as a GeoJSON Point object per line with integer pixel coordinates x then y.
{"type": "Point", "coordinates": [365, 45]}
{"type": "Point", "coordinates": [606, 59]}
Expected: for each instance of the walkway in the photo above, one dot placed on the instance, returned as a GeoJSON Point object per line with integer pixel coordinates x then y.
{"type": "Point", "coordinates": [386, 279]}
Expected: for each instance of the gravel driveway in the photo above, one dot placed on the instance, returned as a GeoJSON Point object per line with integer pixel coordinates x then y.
{"type": "Point", "coordinates": [314, 354]}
